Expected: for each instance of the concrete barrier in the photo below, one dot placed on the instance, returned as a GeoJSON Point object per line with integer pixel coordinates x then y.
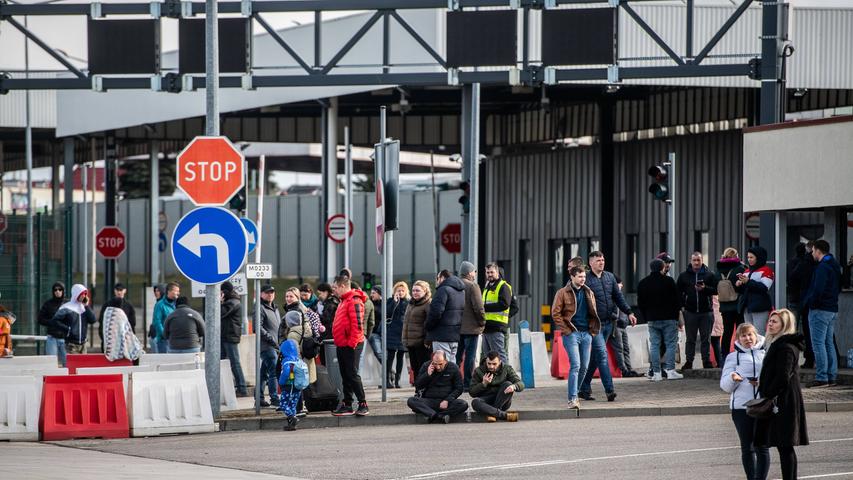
{"type": "Point", "coordinates": [541, 363]}
{"type": "Point", "coordinates": [28, 361]}
{"type": "Point", "coordinates": [161, 358]}
{"type": "Point", "coordinates": [169, 402]}
{"type": "Point", "coordinates": [20, 407]}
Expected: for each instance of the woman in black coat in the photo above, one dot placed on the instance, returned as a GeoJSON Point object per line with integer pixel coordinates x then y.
{"type": "Point", "coordinates": [396, 308]}
{"type": "Point", "coordinates": [780, 378]}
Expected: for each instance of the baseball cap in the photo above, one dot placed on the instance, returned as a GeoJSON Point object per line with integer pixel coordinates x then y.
{"type": "Point", "coordinates": [663, 256]}
{"type": "Point", "coordinates": [267, 288]}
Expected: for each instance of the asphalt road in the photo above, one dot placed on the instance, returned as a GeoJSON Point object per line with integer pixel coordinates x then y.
{"type": "Point", "coordinates": [658, 448]}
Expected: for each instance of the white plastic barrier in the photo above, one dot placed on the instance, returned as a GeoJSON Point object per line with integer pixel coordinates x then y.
{"type": "Point", "coordinates": [169, 402]}
{"type": "Point", "coordinates": [513, 354]}
{"type": "Point", "coordinates": [124, 371]}
{"type": "Point", "coordinates": [541, 363]}
{"type": "Point", "coordinates": [227, 394]}
{"type": "Point", "coordinates": [161, 358]}
{"type": "Point", "coordinates": [29, 361]}
{"type": "Point", "coordinates": [638, 344]}
{"type": "Point", "coordinates": [247, 358]}
{"type": "Point", "coordinates": [370, 369]}
{"type": "Point", "coordinates": [20, 406]}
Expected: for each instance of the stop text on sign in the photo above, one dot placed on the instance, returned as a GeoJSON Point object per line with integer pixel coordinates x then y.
{"type": "Point", "coordinates": [209, 171]}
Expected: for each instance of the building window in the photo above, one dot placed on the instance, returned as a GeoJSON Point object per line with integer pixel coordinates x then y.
{"type": "Point", "coordinates": [632, 263]}
{"type": "Point", "coordinates": [525, 267]}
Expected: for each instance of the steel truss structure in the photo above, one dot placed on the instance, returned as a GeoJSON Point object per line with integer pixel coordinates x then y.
{"type": "Point", "coordinates": [526, 72]}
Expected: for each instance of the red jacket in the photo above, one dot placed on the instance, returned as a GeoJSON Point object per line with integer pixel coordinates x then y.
{"type": "Point", "coordinates": [348, 326]}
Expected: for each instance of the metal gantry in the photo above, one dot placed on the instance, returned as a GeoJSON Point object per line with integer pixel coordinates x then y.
{"type": "Point", "coordinates": [527, 71]}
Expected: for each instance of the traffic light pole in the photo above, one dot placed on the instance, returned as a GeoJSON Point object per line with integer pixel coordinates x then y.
{"type": "Point", "coordinates": [211, 293]}
{"type": "Point", "coordinates": [671, 212]}
{"type": "Point", "coordinates": [387, 261]}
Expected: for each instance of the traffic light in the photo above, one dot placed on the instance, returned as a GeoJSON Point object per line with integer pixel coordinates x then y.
{"type": "Point", "coordinates": [238, 201]}
{"type": "Point", "coordinates": [368, 278]}
{"type": "Point", "coordinates": [659, 188]}
{"type": "Point", "coordinates": [465, 199]}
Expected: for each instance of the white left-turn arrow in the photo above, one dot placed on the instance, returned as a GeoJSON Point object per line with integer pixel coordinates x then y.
{"type": "Point", "coordinates": [251, 237]}
{"type": "Point", "coordinates": [193, 240]}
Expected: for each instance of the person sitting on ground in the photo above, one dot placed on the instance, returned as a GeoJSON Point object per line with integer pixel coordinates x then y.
{"type": "Point", "coordinates": [438, 387]}
{"type": "Point", "coordinates": [492, 386]}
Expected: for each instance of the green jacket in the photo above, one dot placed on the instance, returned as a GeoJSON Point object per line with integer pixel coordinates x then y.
{"type": "Point", "coordinates": [369, 318]}
{"type": "Point", "coordinates": [505, 373]}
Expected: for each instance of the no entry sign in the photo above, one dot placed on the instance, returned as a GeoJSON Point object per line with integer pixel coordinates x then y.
{"type": "Point", "coordinates": [210, 170]}
{"type": "Point", "coordinates": [336, 228]}
{"type": "Point", "coordinates": [110, 242]}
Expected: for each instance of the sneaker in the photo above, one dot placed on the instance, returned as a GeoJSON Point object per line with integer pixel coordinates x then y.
{"type": "Point", "coordinates": [832, 383]}
{"type": "Point", "coordinates": [574, 404]}
{"type": "Point", "coordinates": [817, 384]}
{"type": "Point", "coordinates": [242, 394]}
{"type": "Point", "coordinates": [445, 419]}
{"type": "Point", "coordinates": [291, 424]}
{"type": "Point", "coordinates": [687, 366]}
{"type": "Point", "coordinates": [302, 414]}
{"type": "Point", "coordinates": [586, 396]}
{"type": "Point", "coordinates": [274, 402]}
{"type": "Point", "coordinates": [656, 377]}
{"type": "Point", "coordinates": [265, 403]}
{"type": "Point", "coordinates": [611, 397]}
{"type": "Point", "coordinates": [511, 416]}
{"type": "Point", "coordinates": [362, 409]}
{"type": "Point", "coordinates": [491, 419]}
{"type": "Point", "coordinates": [343, 410]}
{"type": "Point", "coordinates": [673, 375]}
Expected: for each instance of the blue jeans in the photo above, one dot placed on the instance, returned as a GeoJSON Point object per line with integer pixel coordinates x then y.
{"type": "Point", "coordinates": [666, 332]}
{"type": "Point", "coordinates": [468, 348]}
{"type": "Point", "coordinates": [268, 361]}
{"type": "Point", "coordinates": [231, 351]}
{"type": "Point", "coordinates": [375, 341]}
{"type": "Point", "coordinates": [185, 350]}
{"type": "Point", "coordinates": [822, 326]}
{"type": "Point", "coordinates": [56, 346]}
{"type": "Point", "coordinates": [598, 361]}
{"type": "Point", "coordinates": [577, 345]}
{"type": "Point", "coordinates": [160, 345]}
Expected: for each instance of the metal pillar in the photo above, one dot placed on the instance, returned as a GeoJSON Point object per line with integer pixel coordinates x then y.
{"type": "Point", "coordinates": [84, 222]}
{"type": "Point", "coordinates": [54, 183]}
{"type": "Point", "coordinates": [781, 254]}
{"type": "Point", "coordinates": [470, 168]}
{"type": "Point", "coordinates": [672, 238]}
{"type": "Point", "coordinates": [387, 278]}
{"type": "Point", "coordinates": [211, 293]}
{"type": "Point", "coordinates": [154, 212]}
{"type": "Point", "coordinates": [68, 153]}
{"type": "Point", "coordinates": [330, 183]}
{"type": "Point", "coordinates": [258, 307]}
{"type": "Point", "coordinates": [348, 199]}
{"type": "Point", "coordinates": [607, 180]}
{"type": "Point", "coordinates": [110, 209]}
{"type": "Point", "coordinates": [28, 147]}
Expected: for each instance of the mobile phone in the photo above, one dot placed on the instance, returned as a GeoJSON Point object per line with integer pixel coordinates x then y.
{"type": "Point", "coordinates": [752, 379]}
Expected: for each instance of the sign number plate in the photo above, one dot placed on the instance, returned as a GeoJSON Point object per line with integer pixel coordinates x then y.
{"type": "Point", "coordinates": [259, 271]}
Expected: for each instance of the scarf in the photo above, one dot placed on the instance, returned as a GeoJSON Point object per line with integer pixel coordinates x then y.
{"type": "Point", "coordinates": [119, 339]}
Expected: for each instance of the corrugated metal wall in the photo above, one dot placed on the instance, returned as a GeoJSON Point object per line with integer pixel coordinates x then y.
{"type": "Point", "coordinates": [42, 106]}
{"type": "Point", "coordinates": [554, 195]}
{"type": "Point", "coordinates": [539, 197]}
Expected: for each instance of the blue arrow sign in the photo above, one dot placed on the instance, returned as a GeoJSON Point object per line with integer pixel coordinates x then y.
{"type": "Point", "coordinates": [251, 233]}
{"type": "Point", "coordinates": [209, 245]}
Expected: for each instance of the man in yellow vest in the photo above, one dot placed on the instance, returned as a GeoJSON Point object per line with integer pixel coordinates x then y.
{"type": "Point", "coordinates": [497, 297]}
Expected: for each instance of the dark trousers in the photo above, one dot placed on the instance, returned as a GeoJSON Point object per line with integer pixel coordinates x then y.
{"type": "Point", "coordinates": [468, 350]}
{"type": "Point", "coordinates": [494, 404]}
{"type": "Point", "coordinates": [619, 342]}
{"type": "Point", "coordinates": [715, 347]}
{"type": "Point", "coordinates": [700, 323]}
{"type": "Point", "coordinates": [788, 462]}
{"type": "Point", "coordinates": [731, 320]}
{"type": "Point", "coordinates": [418, 355]}
{"type": "Point", "coordinates": [231, 351]}
{"type": "Point", "coordinates": [429, 406]}
{"type": "Point", "coordinates": [808, 354]}
{"type": "Point", "coordinates": [756, 460]}
{"type": "Point", "coordinates": [348, 359]}
{"type": "Point", "coordinates": [400, 356]}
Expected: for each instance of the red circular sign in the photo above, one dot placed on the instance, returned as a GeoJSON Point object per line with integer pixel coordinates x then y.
{"type": "Point", "coordinates": [335, 228]}
{"type": "Point", "coordinates": [210, 170]}
{"type": "Point", "coordinates": [451, 238]}
{"type": "Point", "coordinates": [110, 242]}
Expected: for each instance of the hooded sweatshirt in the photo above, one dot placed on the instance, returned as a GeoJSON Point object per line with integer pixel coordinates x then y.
{"type": "Point", "coordinates": [747, 363]}
{"type": "Point", "coordinates": [49, 309]}
{"type": "Point", "coordinates": [73, 317]}
{"type": "Point", "coordinates": [756, 291]}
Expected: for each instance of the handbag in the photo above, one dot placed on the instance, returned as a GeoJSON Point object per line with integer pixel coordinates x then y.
{"type": "Point", "coordinates": [761, 407]}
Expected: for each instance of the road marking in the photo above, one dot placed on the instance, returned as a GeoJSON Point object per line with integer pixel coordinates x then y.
{"type": "Point", "coordinates": [546, 463]}
{"type": "Point", "coordinates": [842, 474]}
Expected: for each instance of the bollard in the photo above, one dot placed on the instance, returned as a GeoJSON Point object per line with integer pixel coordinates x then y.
{"type": "Point", "coordinates": [525, 351]}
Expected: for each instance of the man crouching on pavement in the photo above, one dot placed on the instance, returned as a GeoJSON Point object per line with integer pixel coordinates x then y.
{"type": "Point", "coordinates": [439, 385]}
{"type": "Point", "coordinates": [492, 387]}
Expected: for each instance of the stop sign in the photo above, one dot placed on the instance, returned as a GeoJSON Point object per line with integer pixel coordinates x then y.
{"type": "Point", "coordinates": [210, 170]}
{"type": "Point", "coordinates": [110, 242]}
{"type": "Point", "coordinates": [451, 238]}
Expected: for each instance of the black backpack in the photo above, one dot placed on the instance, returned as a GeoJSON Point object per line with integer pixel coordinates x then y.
{"type": "Point", "coordinates": [513, 307]}
{"type": "Point", "coordinates": [310, 346]}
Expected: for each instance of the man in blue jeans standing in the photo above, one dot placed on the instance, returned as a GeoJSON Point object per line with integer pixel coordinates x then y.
{"type": "Point", "coordinates": [270, 323]}
{"type": "Point", "coordinates": [608, 298]}
{"type": "Point", "coordinates": [574, 313]}
{"type": "Point", "coordinates": [659, 302]}
{"type": "Point", "coordinates": [822, 301]}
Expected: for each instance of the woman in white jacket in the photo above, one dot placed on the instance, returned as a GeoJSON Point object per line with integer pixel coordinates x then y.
{"type": "Point", "coordinates": [740, 379]}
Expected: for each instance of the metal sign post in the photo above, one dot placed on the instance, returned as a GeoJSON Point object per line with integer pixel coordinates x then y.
{"type": "Point", "coordinates": [673, 187]}
{"type": "Point", "coordinates": [348, 197]}
{"type": "Point", "coordinates": [386, 243]}
{"type": "Point", "coordinates": [258, 385]}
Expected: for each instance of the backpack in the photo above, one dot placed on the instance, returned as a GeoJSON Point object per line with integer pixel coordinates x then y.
{"type": "Point", "coordinates": [310, 347]}
{"type": "Point", "coordinates": [726, 289]}
{"type": "Point", "coordinates": [295, 374]}
{"type": "Point", "coordinates": [513, 306]}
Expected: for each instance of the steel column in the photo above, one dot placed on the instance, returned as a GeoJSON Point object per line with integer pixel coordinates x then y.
{"type": "Point", "coordinates": [110, 207]}
{"type": "Point", "coordinates": [68, 153]}
{"type": "Point", "coordinates": [330, 183]}
{"type": "Point", "coordinates": [606, 127]}
{"type": "Point", "coordinates": [470, 169]}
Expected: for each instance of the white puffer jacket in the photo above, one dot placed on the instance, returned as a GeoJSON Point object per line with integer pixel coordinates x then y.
{"type": "Point", "coordinates": [747, 363]}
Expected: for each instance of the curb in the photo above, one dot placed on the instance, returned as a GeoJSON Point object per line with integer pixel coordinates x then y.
{"type": "Point", "coordinates": [806, 376]}
{"type": "Point", "coordinates": [327, 421]}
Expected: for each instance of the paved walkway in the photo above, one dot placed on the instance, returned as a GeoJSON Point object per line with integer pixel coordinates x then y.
{"type": "Point", "coordinates": [636, 397]}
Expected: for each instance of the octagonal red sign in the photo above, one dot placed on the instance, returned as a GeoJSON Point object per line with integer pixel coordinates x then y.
{"type": "Point", "coordinates": [110, 242]}
{"type": "Point", "coordinates": [210, 170]}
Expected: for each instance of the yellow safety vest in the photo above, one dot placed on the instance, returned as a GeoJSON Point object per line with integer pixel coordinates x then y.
{"type": "Point", "coordinates": [493, 296]}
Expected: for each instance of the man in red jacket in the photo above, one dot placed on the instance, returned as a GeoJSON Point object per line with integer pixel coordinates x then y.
{"type": "Point", "coordinates": [348, 333]}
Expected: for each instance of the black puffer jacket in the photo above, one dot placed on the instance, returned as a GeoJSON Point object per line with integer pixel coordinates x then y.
{"type": "Point", "coordinates": [780, 378]}
{"type": "Point", "coordinates": [48, 310]}
{"type": "Point", "coordinates": [445, 312]}
{"type": "Point", "coordinates": [697, 301]}
{"type": "Point", "coordinates": [443, 385]}
{"type": "Point", "coordinates": [232, 323]}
